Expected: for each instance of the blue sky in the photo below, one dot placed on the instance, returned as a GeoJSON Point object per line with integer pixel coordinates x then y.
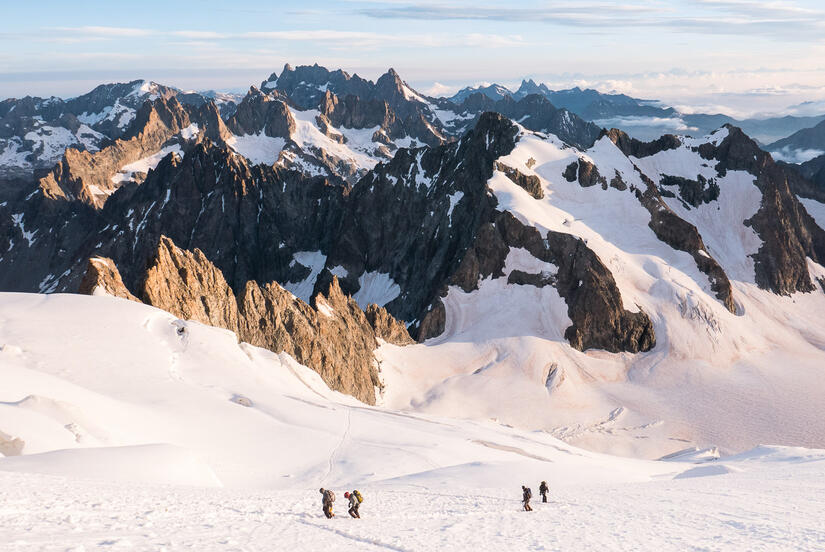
{"type": "Point", "coordinates": [740, 55]}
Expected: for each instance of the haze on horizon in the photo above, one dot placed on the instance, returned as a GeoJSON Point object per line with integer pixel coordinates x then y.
{"type": "Point", "coordinates": [740, 57]}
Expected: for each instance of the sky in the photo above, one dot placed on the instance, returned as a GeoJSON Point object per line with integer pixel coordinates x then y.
{"type": "Point", "coordinates": [741, 57]}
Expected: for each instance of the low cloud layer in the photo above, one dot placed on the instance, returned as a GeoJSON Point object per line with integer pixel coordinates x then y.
{"type": "Point", "coordinates": [790, 155]}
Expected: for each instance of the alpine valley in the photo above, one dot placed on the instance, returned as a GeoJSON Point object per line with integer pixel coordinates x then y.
{"type": "Point", "coordinates": [330, 280]}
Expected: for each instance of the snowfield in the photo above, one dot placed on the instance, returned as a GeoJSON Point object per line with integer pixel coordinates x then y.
{"type": "Point", "coordinates": [126, 428]}
{"type": "Point", "coordinates": [769, 507]}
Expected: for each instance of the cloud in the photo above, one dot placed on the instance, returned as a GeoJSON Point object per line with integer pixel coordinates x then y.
{"type": "Point", "coordinates": [201, 35]}
{"type": "Point", "coordinates": [350, 39]}
{"type": "Point", "coordinates": [806, 109]}
{"type": "Point", "coordinates": [331, 38]}
{"type": "Point", "coordinates": [665, 123]}
{"type": "Point", "coordinates": [438, 90]}
{"type": "Point", "coordinates": [761, 9]}
{"type": "Point", "coordinates": [105, 32]}
{"type": "Point", "coordinates": [723, 17]}
{"type": "Point", "coordinates": [789, 155]}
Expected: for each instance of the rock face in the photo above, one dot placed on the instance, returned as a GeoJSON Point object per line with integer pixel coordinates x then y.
{"type": "Point", "coordinates": [414, 217]}
{"type": "Point", "coordinates": [594, 303]}
{"type": "Point", "coordinates": [386, 327]}
{"type": "Point", "coordinates": [305, 85]}
{"type": "Point", "coordinates": [102, 277]}
{"type": "Point", "coordinates": [692, 192]}
{"type": "Point", "coordinates": [352, 102]}
{"type": "Point", "coordinates": [789, 234]}
{"type": "Point", "coordinates": [535, 112]}
{"type": "Point", "coordinates": [589, 175]}
{"type": "Point", "coordinates": [261, 113]}
{"type": "Point", "coordinates": [334, 337]}
{"type": "Point", "coordinates": [88, 177]}
{"type": "Point", "coordinates": [636, 148]}
{"type": "Point", "coordinates": [35, 132]}
{"type": "Point", "coordinates": [681, 235]}
{"type": "Point", "coordinates": [189, 286]}
{"type": "Point", "coordinates": [530, 183]}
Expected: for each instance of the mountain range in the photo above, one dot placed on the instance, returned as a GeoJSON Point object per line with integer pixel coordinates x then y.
{"type": "Point", "coordinates": [421, 252]}
{"type": "Point", "coordinates": [643, 119]}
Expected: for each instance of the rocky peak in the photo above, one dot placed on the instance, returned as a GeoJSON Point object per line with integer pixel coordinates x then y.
{"type": "Point", "coordinates": [736, 152]}
{"type": "Point", "coordinates": [494, 135]}
{"type": "Point", "coordinates": [260, 112]}
{"type": "Point", "coordinates": [355, 112]}
{"type": "Point", "coordinates": [89, 177]}
{"type": "Point", "coordinates": [390, 81]}
{"type": "Point", "coordinates": [636, 148]}
{"type": "Point", "coordinates": [390, 88]}
{"type": "Point", "coordinates": [131, 94]}
{"type": "Point", "coordinates": [594, 303]}
{"type": "Point", "coordinates": [333, 336]}
{"type": "Point", "coordinates": [789, 234]}
{"type": "Point", "coordinates": [535, 112]}
{"type": "Point", "coordinates": [529, 86]}
{"type": "Point", "coordinates": [305, 85]}
{"type": "Point", "coordinates": [189, 286]}
{"type": "Point", "coordinates": [167, 113]}
{"type": "Point", "coordinates": [386, 327]}
{"type": "Point", "coordinates": [103, 278]}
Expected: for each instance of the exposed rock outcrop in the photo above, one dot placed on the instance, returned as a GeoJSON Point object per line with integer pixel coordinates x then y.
{"type": "Point", "coordinates": [189, 286]}
{"type": "Point", "coordinates": [636, 148]}
{"type": "Point", "coordinates": [535, 112]}
{"type": "Point", "coordinates": [530, 183]}
{"type": "Point", "coordinates": [789, 234]}
{"type": "Point", "coordinates": [261, 113]}
{"type": "Point", "coordinates": [682, 235]}
{"type": "Point", "coordinates": [103, 277]}
{"type": "Point", "coordinates": [11, 446]}
{"type": "Point", "coordinates": [414, 217]}
{"type": "Point", "coordinates": [594, 303]}
{"type": "Point", "coordinates": [691, 192]}
{"type": "Point", "coordinates": [386, 327]}
{"type": "Point", "coordinates": [334, 336]}
{"type": "Point", "coordinates": [88, 177]}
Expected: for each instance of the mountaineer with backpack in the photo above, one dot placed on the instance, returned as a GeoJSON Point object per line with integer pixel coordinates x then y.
{"type": "Point", "coordinates": [355, 500]}
{"type": "Point", "coordinates": [526, 495]}
{"type": "Point", "coordinates": [543, 490]}
{"type": "Point", "coordinates": [326, 501]}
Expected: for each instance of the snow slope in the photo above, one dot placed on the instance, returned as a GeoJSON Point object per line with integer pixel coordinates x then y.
{"type": "Point", "coordinates": [713, 379]}
{"type": "Point", "coordinates": [84, 374]}
{"type": "Point", "coordinates": [133, 420]}
{"type": "Point", "coordinates": [767, 508]}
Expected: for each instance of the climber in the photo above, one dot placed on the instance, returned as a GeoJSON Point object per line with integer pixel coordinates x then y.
{"type": "Point", "coordinates": [543, 490]}
{"type": "Point", "coordinates": [355, 501]}
{"type": "Point", "coordinates": [327, 500]}
{"type": "Point", "coordinates": [526, 495]}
